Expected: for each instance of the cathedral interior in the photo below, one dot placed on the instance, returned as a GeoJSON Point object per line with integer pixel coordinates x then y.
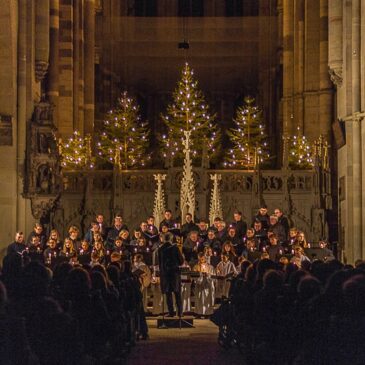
{"type": "Point", "coordinates": [64, 63]}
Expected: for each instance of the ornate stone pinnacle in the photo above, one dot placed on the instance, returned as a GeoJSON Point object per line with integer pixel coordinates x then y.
{"type": "Point", "coordinates": [41, 68]}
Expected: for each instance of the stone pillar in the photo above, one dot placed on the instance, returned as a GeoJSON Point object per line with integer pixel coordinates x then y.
{"type": "Point", "coordinates": [288, 64]}
{"type": "Point", "coordinates": [89, 65]}
{"type": "Point", "coordinates": [356, 137]}
{"type": "Point", "coordinates": [299, 63]}
{"type": "Point", "coordinates": [326, 93]}
{"type": "Point", "coordinates": [53, 79]}
{"type": "Point", "coordinates": [335, 37]}
{"type": "Point", "coordinates": [21, 111]}
{"type": "Point", "coordinates": [41, 38]}
{"type": "Point", "coordinates": [76, 61]}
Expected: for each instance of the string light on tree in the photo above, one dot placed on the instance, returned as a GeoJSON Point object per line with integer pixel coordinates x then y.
{"type": "Point", "coordinates": [249, 139]}
{"type": "Point", "coordinates": [189, 112]}
{"type": "Point", "coordinates": [76, 152]}
{"type": "Point", "coordinates": [300, 152]}
{"type": "Point", "coordinates": [124, 139]}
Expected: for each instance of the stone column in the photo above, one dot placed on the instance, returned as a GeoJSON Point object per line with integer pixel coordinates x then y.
{"type": "Point", "coordinates": [89, 64]}
{"type": "Point", "coordinates": [53, 79]}
{"type": "Point", "coordinates": [299, 63]}
{"type": "Point", "coordinates": [21, 111]}
{"type": "Point", "coordinates": [326, 93]}
{"type": "Point", "coordinates": [335, 37]}
{"type": "Point", "coordinates": [288, 64]}
{"type": "Point", "coordinates": [356, 137]}
{"type": "Point", "coordinates": [41, 38]}
{"type": "Point", "coordinates": [76, 61]}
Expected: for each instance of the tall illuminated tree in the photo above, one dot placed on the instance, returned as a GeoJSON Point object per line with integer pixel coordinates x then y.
{"type": "Point", "coordinates": [249, 139]}
{"type": "Point", "coordinates": [301, 153]}
{"type": "Point", "coordinates": [76, 152]}
{"type": "Point", "coordinates": [124, 139]}
{"type": "Point", "coordinates": [189, 112]}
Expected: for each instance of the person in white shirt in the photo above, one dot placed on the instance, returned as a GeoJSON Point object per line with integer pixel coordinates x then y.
{"type": "Point", "coordinates": [225, 269]}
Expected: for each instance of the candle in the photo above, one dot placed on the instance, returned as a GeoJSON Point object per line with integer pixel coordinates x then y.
{"type": "Point", "coordinates": [264, 249]}
{"type": "Point", "coordinates": [107, 252]}
{"type": "Point", "coordinates": [309, 245]}
{"type": "Point", "coordinates": [147, 249]}
{"type": "Point", "coordinates": [81, 252]}
{"type": "Point", "coordinates": [292, 252]}
{"type": "Point", "coordinates": [280, 252]}
{"type": "Point", "coordinates": [135, 250]}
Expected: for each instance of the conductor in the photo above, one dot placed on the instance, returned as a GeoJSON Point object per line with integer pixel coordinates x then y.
{"type": "Point", "coordinates": [169, 260]}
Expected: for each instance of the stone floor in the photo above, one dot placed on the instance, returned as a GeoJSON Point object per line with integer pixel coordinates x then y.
{"type": "Point", "coordinates": [187, 346]}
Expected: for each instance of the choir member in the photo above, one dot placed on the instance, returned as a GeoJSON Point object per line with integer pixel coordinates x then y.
{"type": "Point", "coordinates": [221, 233]}
{"type": "Point", "coordinates": [38, 232]}
{"type": "Point", "coordinates": [152, 232]}
{"type": "Point", "coordinates": [260, 234]}
{"type": "Point", "coordinates": [211, 256]}
{"type": "Point", "coordinates": [224, 269]}
{"type": "Point", "coordinates": [239, 224]}
{"type": "Point", "coordinates": [191, 247]}
{"type": "Point", "coordinates": [55, 235]}
{"type": "Point", "coordinates": [263, 217]}
{"type": "Point", "coordinates": [275, 250]}
{"type": "Point", "coordinates": [114, 232]}
{"type": "Point", "coordinates": [188, 226]}
{"type": "Point", "coordinates": [18, 246]}
{"type": "Point", "coordinates": [73, 234]}
{"type": "Point", "coordinates": [213, 242]}
{"type": "Point", "coordinates": [203, 230]}
{"type": "Point", "coordinates": [293, 236]}
{"type": "Point", "coordinates": [299, 256]}
{"type": "Point", "coordinates": [204, 287]}
{"type": "Point", "coordinates": [229, 250]}
{"type": "Point", "coordinates": [103, 229]}
{"type": "Point", "coordinates": [301, 240]}
{"type": "Point", "coordinates": [171, 224]}
{"type": "Point", "coordinates": [237, 243]}
{"type": "Point", "coordinates": [283, 220]}
{"type": "Point", "coordinates": [99, 250]}
{"type": "Point", "coordinates": [94, 228]}
{"type": "Point", "coordinates": [186, 289]}
{"type": "Point", "coordinates": [276, 228]}
{"type": "Point", "coordinates": [51, 253]}
{"type": "Point", "coordinates": [68, 249]}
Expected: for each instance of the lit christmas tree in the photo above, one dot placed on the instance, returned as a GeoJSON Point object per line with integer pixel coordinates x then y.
{"type": "Point", "coordinates": [189, 112]}
{"type": "Point", "coordinates": [124, 139]}
{"type": "Point", "coordinates": [249, 140]}
{"type": "Point", "coordinates": [300, 152]}
{"type": "Point", "coordinates": [76, 152]}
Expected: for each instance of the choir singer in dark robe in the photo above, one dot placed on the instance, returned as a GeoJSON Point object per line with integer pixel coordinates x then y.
{"type": "Point", "coordinates": [169, 260]}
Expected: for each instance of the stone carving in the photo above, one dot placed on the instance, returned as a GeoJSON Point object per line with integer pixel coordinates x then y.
{"type": "Point", "coordinates": [42, 176]}
{"type": "Point", "coordinates": [41, 69]}
{"type": "Point", "coordinates": [336, 76]}
{"type": "Point", "coordinates": [159, 204]}
{"type": "Point", "coordinates": [215, 209]}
